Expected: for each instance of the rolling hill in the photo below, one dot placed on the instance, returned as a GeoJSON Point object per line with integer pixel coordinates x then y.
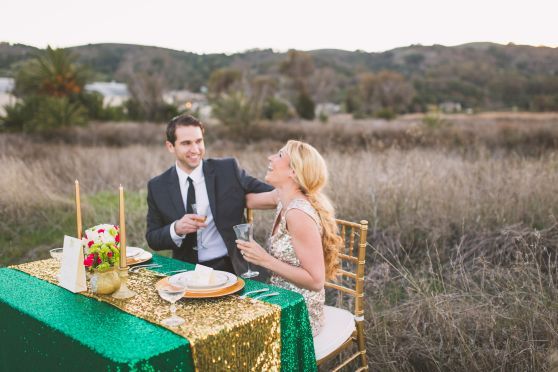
{"type": "Point", "coordinates": [483, 75]}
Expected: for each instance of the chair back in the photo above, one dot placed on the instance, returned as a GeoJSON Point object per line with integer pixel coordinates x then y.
{"type": "Point", "coordinates": [348, 286]}
{"type": "Point", "coordinates": [249, 215]}
{"type": "Point", "coordinates": [352, 258]}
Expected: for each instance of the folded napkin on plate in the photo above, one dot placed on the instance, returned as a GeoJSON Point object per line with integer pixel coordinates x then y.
{"type": "Point", "coordinates": [203, 275]}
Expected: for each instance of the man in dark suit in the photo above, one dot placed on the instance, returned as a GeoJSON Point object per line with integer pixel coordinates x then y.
{"type": "Point", "coordinates": [218, 184]}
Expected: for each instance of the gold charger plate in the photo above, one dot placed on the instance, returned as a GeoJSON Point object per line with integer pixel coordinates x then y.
{"type": "Point", "coordinates": [209, 293]}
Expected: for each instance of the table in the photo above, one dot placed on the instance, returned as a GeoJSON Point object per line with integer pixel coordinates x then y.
{"type": "Point", "coordinates": [45, 327]}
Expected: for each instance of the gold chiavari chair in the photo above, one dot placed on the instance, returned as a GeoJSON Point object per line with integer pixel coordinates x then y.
{"type": "Point", "coordinates": [344, 329]}
{"type": "Point", "coordinates": [249, 215]}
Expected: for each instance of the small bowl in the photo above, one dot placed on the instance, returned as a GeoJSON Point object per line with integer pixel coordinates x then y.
{"type": "Point", "coordinates": [56, 253]}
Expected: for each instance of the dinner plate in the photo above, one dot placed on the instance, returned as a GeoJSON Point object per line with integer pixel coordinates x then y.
{"type": "Point", "coordinates": [143, 257]}
{"type": "Point", "coordinates": [190, 279]}
{"type": "Point", "coordinates": [231, 279]}
{"type": "Point", "coordinates": [237, 286]}
{"type": "Point", "coordinates": [133, 251]}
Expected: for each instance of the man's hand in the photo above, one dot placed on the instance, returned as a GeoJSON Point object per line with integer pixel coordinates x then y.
{"type": "Point", "coordinates": [189, 223]}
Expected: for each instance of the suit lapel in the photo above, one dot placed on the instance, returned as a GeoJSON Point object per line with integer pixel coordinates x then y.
{"type": "Point", "coordinates": [174, 193]}
{"type": "Point", "coordinates": [209, 175]}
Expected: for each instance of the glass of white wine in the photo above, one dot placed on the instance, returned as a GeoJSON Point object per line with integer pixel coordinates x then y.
{"type": "Point", "coordinates": [244, 232]}
{"type": "Point", "coordinates": [201, 212]}
{"type": "Point", "coordinates": [172, 293]}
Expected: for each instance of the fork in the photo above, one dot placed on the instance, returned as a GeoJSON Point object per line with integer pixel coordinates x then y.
{"type": "Point", "coordinates": [147, 266]}
{"type": "Point", "coordinates": [266, 295]}
{"type": "Point", "coordinates": [166, 273]}
{"type": "Point", "coordinates": [252, 292]}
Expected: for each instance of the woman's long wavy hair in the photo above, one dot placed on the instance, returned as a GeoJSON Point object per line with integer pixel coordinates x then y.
{"type": "Point", "coordinates": [311, 175]}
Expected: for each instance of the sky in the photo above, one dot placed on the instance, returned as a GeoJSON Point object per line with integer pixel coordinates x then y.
{"type": "Point", "coordinates": [211, 26]}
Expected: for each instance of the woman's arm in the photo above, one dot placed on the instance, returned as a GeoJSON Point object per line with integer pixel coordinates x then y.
{"type": "Point", "coordinates": [307, 243]}
{"type": "Point", "coordinates": [263, 200]}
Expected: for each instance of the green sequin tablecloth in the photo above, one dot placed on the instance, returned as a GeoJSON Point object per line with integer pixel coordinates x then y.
{"type": "Point", "coordinates": [45, 327]}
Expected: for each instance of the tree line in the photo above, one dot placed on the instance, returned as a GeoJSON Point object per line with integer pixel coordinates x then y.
{"type": "Point", "coordinates": [264, 85]}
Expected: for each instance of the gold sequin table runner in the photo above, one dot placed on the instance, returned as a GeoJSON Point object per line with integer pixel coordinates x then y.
{"type": "Point", "coordinates": [224, 333]}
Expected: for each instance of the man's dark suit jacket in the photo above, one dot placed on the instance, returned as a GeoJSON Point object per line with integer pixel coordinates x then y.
{"type": "Point", "coordinates": [226, 185]}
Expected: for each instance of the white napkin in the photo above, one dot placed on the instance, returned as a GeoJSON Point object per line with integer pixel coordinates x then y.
{"type": "Point", "coordinates": [203, 275]}
{"type": "Point", "coordinates": [72, 271]}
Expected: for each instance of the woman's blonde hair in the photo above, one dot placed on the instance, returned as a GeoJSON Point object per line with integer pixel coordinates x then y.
{"type": "Point", "coordinates": [311, 175]}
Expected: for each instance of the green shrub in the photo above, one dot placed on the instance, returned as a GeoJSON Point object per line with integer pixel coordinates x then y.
{"type": "Point", "coordinates": [275, 109]}
{"type": "Point", "coordinates": [134, 110]}
{"type": "Point", "coordinates": [234, 110]}
{"type": "Point", "coordinates": [43, 113]}
{"type": "Point", "coordinates": [352, 102]}
{"type": "Point", "coordinates": [305, 106]}
{"type": "Point", "coordinates": [96, 110]}
{"type": "Point", "coordinates": [137, 112]}
{"type": "Point", "coordinates": [16, 116]}
{"type": "Point", "coordinates": [434, 120]}
{"type": "Point", "coordinates": [164, 112]}
{"type": "Point", "coordinates": [385, 113]}
{"type": "Point", "coordinates": [56, 112]}
{"type": "Point", "coordinates": [114, 113]}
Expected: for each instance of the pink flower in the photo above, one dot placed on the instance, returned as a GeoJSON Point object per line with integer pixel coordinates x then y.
{"type": "Point", "coordinates": [89, 260]}
{"type": "Point", "coordinates": [90, 243]}
{"type": "Point", "coordinates": [117, 238]}
{"type": "Point", "coordinates": [101, 231]}
{"type": "Point", "coordinates": [109, 254]}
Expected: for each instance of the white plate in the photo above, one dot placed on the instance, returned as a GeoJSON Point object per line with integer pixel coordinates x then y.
{"type": "Point", "coordinates": [133, 251]}
{"type": "Point", "coordinates": [143, 257]}
{"type": "Point", "coordinates": [225, 279]}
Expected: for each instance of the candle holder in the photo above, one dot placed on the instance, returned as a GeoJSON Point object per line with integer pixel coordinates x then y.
{"type": "Point", "coordinates": [123, 292]}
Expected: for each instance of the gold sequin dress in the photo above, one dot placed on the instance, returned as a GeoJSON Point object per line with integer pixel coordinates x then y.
{"type": "Point", "coordinates": [281, 247]}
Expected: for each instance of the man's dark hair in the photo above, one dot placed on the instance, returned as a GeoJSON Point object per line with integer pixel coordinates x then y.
{"type": "Point", "coordinates": [183, 120]}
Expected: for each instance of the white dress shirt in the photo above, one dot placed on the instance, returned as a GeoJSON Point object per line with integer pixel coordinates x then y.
{"type": "Point", "coordinates": [208, 237]}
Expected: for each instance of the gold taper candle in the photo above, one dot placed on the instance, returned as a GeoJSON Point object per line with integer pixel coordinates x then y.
{"type": "Point", "coordinates": [122, 223]}
{"type": "Point", "coordinates": [78, 212]}
{"type": "Point", "coordinates": [123, 292]}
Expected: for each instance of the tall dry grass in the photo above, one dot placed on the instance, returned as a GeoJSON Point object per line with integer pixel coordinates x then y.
{"type": "Point", "coordinates": [530, 134]}
{"type": "Point", "coordinates": [461, 263]}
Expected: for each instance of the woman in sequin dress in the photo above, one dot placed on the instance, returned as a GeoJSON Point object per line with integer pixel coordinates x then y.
{"type": "Point", "coordinates": [303, 245]}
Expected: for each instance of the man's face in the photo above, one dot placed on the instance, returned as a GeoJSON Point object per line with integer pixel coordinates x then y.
{"type": "Point", "coordinates": [188, 148]}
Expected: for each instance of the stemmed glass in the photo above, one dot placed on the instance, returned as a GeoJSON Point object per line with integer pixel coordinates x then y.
{"type": "Point", "coordinates": [172, 293]}
{"type": "Point", "coordinates": [202, 212]}
{"type": "Point", "coordinates": [57, 254]}
{"type": "Point", "coordinates": [244, 232]}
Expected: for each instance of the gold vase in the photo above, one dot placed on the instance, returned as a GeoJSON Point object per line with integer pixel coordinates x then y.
{"type": "Point", "coordinates": [105, 282]}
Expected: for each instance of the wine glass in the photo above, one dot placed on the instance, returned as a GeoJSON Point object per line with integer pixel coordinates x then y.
{"type": "Point", "coordinates": [202, 213]}
{"type": "Point", "coordinates": [57, 254]}
{"type": "Point", "coordinates": [172, 293]}
{"type": "Point", "coordinates": [244, 232]}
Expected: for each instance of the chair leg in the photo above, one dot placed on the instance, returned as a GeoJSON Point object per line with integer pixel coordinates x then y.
{"type": "Point", "coordinates": [361, 343]}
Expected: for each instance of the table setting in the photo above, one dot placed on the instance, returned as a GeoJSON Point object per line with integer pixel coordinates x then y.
{"type": "Point", "coordinates": [154, 313]}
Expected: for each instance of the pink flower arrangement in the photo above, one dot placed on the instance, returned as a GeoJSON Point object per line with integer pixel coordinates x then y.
{"type": "Point", "coordinates": [102, 247]}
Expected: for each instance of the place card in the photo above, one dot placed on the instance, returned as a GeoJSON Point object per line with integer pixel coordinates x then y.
{"type": "Point", "coordinates": [72, 271]}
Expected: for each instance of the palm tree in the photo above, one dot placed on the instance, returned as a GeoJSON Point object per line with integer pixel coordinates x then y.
{"type": "Point", "coordinates": [51, 92]}
{"type": "Point", "coordinates": [53, 73]}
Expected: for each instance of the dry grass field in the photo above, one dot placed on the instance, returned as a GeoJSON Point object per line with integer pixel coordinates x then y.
{"type": "Point", "coordinates": [461, 266]}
